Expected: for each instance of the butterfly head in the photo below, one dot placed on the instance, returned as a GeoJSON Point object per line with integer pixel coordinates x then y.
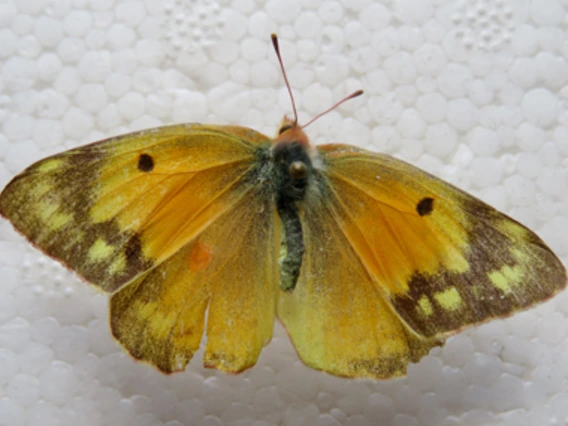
{"type": "Point", "coordinates": [290, 131]}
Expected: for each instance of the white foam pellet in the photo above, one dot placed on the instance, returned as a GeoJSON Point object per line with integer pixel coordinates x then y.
{"type": "Point", "coordinates": [71, 49]}
{"type": "Point", "coordinates": [431, 411]}
{"type": "Point", "coordinates": [386, 42]}
{"type": "Point", "coordinates": [117, 84]}
{"type": "Point", "coordinates": [484, 142]}
{"type": "Point", "coordinates": [440, 139]}
{"type": "Point", "coordinates": [454, 80]}
{"type": "Point", "coordinates": [540, 107]}
{"type": "Point", "coordinates": [550, 38]}
{"type": "Point", "coordinates": [524, 41]}
{"type": "Point", "coordinates": [14, 334]}
{"type": "Point", "coordinates": [385, 109]}
{"type": "Point", "coordinates": [95, 66]}
{"type": "Point", "coordinates": [253, 49]}
{"type": "Point", "coordinates": [521, 191]}
{"type": "Point", "coordinates": [32, 7]}
{"type": "Point", "coordinates": [430, 59]}
{"type": "Point", "coordinates": [480, 92]}
{"type": "Point", "coordinates": [411, 38]}
{"type": "Point", "coordinates": [77, 123]}
{"type": "Point", "coordinates": [283, 11]}
{"type": "Point", "coordinates": [91, 97]}
{"type": "Point", "coordinates": [47, 133]}
{"type": "Point", "coordinates": [332, 69]}
{"type": "Point", "coordinates": [43, 413]}
{"type": "Point", "coordinates": [19, 73]}
{"type": "Point", "coordinates": [49, 31]}
{"type": "Point", "coordinates": [330, 12]}
{"type": "Point", "coordinates": [523, 72]}
{"type": "Point", "coordinates": [413, 11]}
{"type": "Point", "coordinates": [462, 114]}
{"type": "Point", "coordinates": [553, 69]}
{"type": "Point", "coordinates": [12, 413]}
{"type": "Point", "coordinates": [78, 23]}
{"type": "Point", "coordinates": [410, 124]}
{"type": "Point", "coordinates": [327, 420]}
{"type": "Point", "coordinates": [131, 12]}
{"type": "Point", "coordinates": [23, 389]}
{"type": "Point", "coordinates": [356, 35]}
{"type": "Point", "coordinates": [189, 106]}
{"type": "Point", "coordinates": [406, 94]}
{"type": "Point", "coordinates": [506, 393]}
{"type": "Point", "coordinates": [553, 182]}
{"type": "Point", "coordinates": [315, 98]}
{"type": "Point", "coordinates": [433, 31]}
{"type": "Point", "coordinates": [300, 414]}
{"type": "Point", "coordinates": [159, 104]}
{"type": "Point", "coordinates": [238, 27]}
{"type": "Point", "coordinates": [8, 42]}
{"type": "Point", "coordinates": [120, 36]}
{"type": "Point", "coordinates": [131, 105]}
{"type": "Point", "coordinates": [8, 366]}
{"type": "Point", "coordinates": [58, 383]}
{"type": "Point", "coordinates": [375, 16]}
{"type": "Point", "coordinates": [259, 25]}
{"type": "Point", "coordinates": [147, 80]}
{"type": "Point", "coordinates": [400, 68]}
{"type": "Point", "coordinates": [308, 24]}
{"type": "Point", "coordinates": [432, 107]}
{"type": "Point", "coordinates": [364, 60]}
{"type": "Point", "coordinates": [547, 12]}
{"type": "Point", "coordinates": [35, 357]}
{"type": "Point", "coordinates": [28, 46]}
{"type": "Point", "coordinates": [487, 172]}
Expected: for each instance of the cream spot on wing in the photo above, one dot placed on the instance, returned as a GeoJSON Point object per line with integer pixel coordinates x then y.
{"type": "Point", "coordinates": [506, 277]}
{"type": "Point", "coordinates": [119, 264]}
{"type": "Point", "coordinates": [100, 250]}
{"type": "Point", "coordinates": [449, 299]}
{"type": "Point", "coordinates": [425, 306]}
{"type": "Point", "coordinates": [50, 217]}
{"type": "Point", "coordinates": [50, 165]}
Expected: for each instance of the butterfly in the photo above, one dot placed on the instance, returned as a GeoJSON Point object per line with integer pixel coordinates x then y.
{"type": "Point", "coordinates": [199, 229]}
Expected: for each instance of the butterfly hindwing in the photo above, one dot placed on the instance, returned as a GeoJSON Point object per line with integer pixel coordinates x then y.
{"type": "Point", "coordinates": [337, 318]}
{"type": "Point", "coordinates": [114, 209]}
{"type": "Point", "coordinates": [443, 259]}
{"type": "Point", "coordinates": [229, 268]}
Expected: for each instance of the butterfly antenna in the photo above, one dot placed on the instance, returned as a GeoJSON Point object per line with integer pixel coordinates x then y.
{"type": "Point", "coordinates": [277, 50]}
{"type": "Point", "coordinates": [351, 96]}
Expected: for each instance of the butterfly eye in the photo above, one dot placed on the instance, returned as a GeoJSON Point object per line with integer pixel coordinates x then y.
{"type": "Point", "coordinates": [284, 128]}
{"type": "Point", "coordinates": [145, 163]}
{"type": "Point", "coordinates": [298, 170]}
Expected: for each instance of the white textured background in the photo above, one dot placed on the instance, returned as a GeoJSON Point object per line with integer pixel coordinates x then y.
{"type": "Point", "coordinates": [473, 91]}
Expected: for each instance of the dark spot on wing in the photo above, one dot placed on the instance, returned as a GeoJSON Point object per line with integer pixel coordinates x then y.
{"type": "Point", "coordinates": [145, 163]}
{"type": "Point", "coordinates": [425, 206]}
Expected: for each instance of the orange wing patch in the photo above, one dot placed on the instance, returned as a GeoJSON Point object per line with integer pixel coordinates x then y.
{"type": "Point", "coordinates": [200, 256]}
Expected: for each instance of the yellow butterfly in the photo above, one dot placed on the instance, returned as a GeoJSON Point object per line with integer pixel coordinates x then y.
{"type": "Point", "coordinates": [368, 261]}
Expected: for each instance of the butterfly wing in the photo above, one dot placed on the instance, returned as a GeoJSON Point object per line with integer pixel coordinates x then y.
{"type": "Point", "coordinates": [442, 258]}
{"type": "Point", "coordinates": [396, 260]}
{"type": "Point", "coordinates": [173, 221]}
{"type": "Point", "coordinates": [114, 209]}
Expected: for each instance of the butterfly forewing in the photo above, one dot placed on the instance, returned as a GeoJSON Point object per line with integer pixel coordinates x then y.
{"type": "Point", "coordinates": [114, 209]}
{"type": "Point", "coordinates": [442, 258]}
